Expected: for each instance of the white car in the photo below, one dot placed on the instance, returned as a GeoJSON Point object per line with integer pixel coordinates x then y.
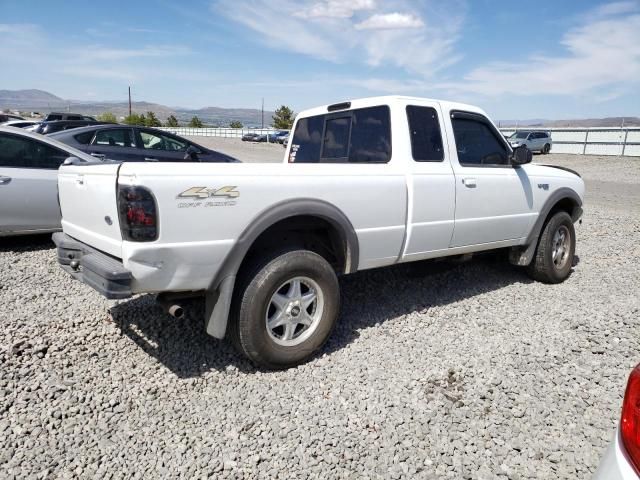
{"type": "Point", "coordinates": [622, 459]}
{"type": "Point", "coordinates": [364, 184]}
{"type": "Point", "coordinates": [536, 141]}
{"type": "Point", "coordinates": [29, 181]}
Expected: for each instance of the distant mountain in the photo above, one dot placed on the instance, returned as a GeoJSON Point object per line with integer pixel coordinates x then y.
{"type": "Point", "coordinates": [29, 99]}
{"type": "Point", "coordinates": [609, 122]}
{"type": "Point", "coordinates": [44, 102]}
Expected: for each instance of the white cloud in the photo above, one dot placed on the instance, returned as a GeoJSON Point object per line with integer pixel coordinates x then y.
{"type": "Point", "coordinates": [602, 58]}
{"type": "Point", "coordinates": [390, 21]}
{"type": "Point", "coordinates": [335, 9]}
{"type": "Point", "coordinates": [346, 32]}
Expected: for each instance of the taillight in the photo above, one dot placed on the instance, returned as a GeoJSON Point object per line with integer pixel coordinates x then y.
{"type": "Point", "coordinates": [630, 421]}
{"type": "Point", "coordinates": [138, 214]}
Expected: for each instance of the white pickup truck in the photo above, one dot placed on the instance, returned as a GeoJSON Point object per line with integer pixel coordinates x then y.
{"type": "Point", "coordinates": [364, 184]}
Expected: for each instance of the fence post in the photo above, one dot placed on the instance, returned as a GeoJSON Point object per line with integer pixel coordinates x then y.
{"type": "Point", "coordinates": [624, 145]}
{"type": "Point", "coordinates": [586, 139]}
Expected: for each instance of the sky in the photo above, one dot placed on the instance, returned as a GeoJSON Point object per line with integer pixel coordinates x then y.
{"type": "Point", "coordinates": [557, 59]}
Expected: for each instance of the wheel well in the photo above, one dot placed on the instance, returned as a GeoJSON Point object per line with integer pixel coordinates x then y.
{"type": "Point", "coordinates": [305, 231]}
{"type": "Point", "coordinates": [566, 204]}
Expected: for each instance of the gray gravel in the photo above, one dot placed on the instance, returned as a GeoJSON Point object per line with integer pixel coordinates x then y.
{"type": "Point", "coordinates": [436, 370]}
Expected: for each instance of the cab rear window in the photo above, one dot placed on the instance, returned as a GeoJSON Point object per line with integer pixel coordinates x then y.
{"type": "Point", "coordinates": [356, 136]}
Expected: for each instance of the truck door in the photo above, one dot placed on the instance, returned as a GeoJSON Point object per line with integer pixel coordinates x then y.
{"type": "Point", "coordinates": [431, 183]}
{"type": "Point", "coordinates": [494, 200]}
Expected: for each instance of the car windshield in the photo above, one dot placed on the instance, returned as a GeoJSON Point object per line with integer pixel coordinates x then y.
{"type": "Point", "coordinates": [520, 135]}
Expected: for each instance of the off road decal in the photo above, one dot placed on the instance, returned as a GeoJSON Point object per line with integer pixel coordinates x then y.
{"type": "Point", "coordinates": [213, 197]}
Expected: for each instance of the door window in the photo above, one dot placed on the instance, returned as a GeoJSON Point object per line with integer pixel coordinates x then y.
{"type": "Point", "coordinates": [84, 138]}
{"type": "Point", "coordinates": [116, 137]}
{"type": "Point", "coordinates": [426, 139]}
{"type": "Point", "coordinates": [477, 144]}
{"type": "Point", "coordinates": [154, 141]}
{"type": "Point", "coordinates": [18, 152]}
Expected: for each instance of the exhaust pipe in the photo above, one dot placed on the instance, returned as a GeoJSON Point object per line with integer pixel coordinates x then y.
{"type": "Point", "coordinates": [176, 311]}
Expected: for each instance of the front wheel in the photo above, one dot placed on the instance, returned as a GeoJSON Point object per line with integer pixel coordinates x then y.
{"type": "Point", "coordinates": [556, 247]}
{"type": "Point", "coordinates": [286, 308]}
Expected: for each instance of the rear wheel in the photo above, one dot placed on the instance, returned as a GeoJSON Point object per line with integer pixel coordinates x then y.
{"type": "Point", "coordinates": [556, 247]}
{"type": "Point", "coordinates": [546, 149]}
{"type": "Point", "coordinates": [286, 308]}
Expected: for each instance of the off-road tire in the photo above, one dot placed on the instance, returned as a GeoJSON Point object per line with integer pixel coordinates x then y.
{"type": "Point", "coordinates": [255, 289]}
{"type": "Point", "coordinates": [543, 268]}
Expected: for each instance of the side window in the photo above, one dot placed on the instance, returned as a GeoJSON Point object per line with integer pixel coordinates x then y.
{"type": "Point", "coordinates": [84, 138]}
{"type": "Point", "coordinates": [114, 137]}
{"type": "Point", "coordinates": [53, 117]}
{"type": "Point", "coordinates": [74, 117]}
{"type": "Point", "coordinates": [152, 141]}
{"type": "Point", "coordinates": [370, 136]}
{"type": "Point", "coordinates": [477, 144]}
{"type": "Point", "coordinates": [357, 136]}
{"type": "Point", "coordinates": [426, 139]}
{"type": "Point", "coordinates": [21, 152]}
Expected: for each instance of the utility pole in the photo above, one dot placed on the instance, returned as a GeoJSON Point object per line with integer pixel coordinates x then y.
{"type": "Point", "coordinates": [129, 100]}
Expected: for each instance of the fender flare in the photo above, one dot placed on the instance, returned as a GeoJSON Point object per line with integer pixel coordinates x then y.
{"type": "Point", "coordinates": [219, 294]}
{"type": "Point", "coordinates": [524, 256]}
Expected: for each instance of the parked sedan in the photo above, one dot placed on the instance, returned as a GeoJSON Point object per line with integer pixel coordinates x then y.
{"type": "Point", "coordinates": [622, 459]}
{"type": "Point", "coordinates": [137, 144]}
{"type": "Point", "coordinates": [46, 128]}
{"type": "Point", "coordinates": [534, 141]}
{"type": "Point", "coordinates": [250, 137]}
{"type": "Point", "coordinates": [20, 123]}
{"type": "Point", "coordinates": [29, 181]}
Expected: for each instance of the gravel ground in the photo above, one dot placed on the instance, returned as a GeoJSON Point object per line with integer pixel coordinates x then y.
{"type": "Point", "coordinates": [436, 370]}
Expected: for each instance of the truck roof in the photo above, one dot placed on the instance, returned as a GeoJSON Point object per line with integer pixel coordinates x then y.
{"type": "Point", "coordinates": [389, 100]}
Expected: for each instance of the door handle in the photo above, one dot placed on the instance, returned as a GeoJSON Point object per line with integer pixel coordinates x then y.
{"type": "Point", "coordinates": [101, 156]}
{"type": "Point", "coordinates": [150, 159]}
{"type": "Point", "coordinates": [5, 180]}
{"type": "Point", "coordinates": [469, 182]}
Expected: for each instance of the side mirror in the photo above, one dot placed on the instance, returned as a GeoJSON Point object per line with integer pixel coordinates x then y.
{"type": "Point", "coordinates": [191, 153]}
{"type": "Point", "coordinates": [521, 155]}
{"type": "Point", "coordinates": [72, 161]}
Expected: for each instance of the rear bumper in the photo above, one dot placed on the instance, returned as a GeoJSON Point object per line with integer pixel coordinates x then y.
{"type": "Point", "coordinates": [100, 271]}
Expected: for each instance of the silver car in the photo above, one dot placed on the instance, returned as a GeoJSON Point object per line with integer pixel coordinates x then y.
{"type": "Point", "coordinates": [28, 181]}
{"type": "Point", "coordinates": [535, 141]}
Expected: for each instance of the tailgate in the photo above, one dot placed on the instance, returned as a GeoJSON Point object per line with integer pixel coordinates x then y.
{"type": "Point", "coordinates": [89, 205]}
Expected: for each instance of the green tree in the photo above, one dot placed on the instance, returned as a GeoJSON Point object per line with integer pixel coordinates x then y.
{"type": "Point", "coordinates": [136, 119]}
{"type": "Point", "coordinates": [171, 122]}
{"type": "Point", "coordinates": [235, 124]}
{"type": "Point", "coordinates": [152, 120]}
{"type": "Point", "coordinates": [283, 118]}
{"type": "Point", "coordinates": [196, 123]}
{"type": "Point", "coordinates": [107, 117]}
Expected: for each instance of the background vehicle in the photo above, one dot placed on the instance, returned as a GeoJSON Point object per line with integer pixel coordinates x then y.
{"type": "Point", "coordinates": [67, 116]}
{"type": "Point", "coordinates": [534, 141]}
{"type": "Point", "coordinates": [46, 128]}
{"type": "Point", "coordinates": [250, 137]}
{"type": "Point", "coordinates": [5, 117]}
{"type": "Point", "coordinates": [622, 458]}
{"type": "Point", "coordinates": [264, 243]}
{"type": "Point", "coordinates": [28, 181]}
{"type": "Point", "coordinates": [137, 144]}
{"type": "Point", "coordinates": [19, 123]}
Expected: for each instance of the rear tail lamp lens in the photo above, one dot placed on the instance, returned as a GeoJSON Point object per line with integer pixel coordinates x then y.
{"type": "Point", "coordinates": [138, 214]}
{"type": "Point", "coordinates": [630, 421]}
